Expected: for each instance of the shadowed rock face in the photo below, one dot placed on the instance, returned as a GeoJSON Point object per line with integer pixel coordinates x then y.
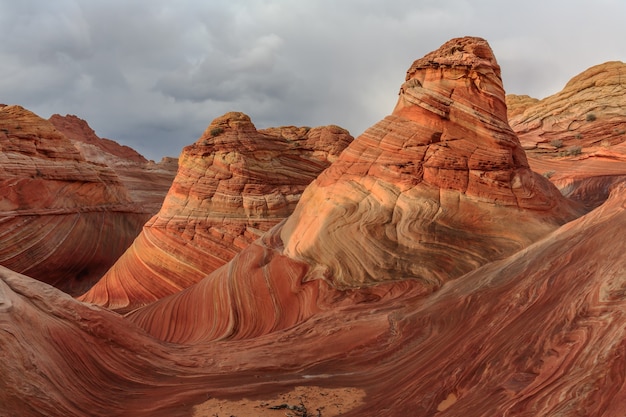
{"type": "Point", "coordinates": [147, 182]}
{"type": "Point", "coordinates": [539, 332]}
{"type": "Point", "coordinates": [233, 184]}
{"type": "Point", "coordinates": [63, 220]}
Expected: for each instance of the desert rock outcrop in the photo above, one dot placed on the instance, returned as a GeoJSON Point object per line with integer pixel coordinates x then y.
{"type": "Point", "coordinates": [577, 137]}
{"type": "Point", "coordinates": [63, 220]}
{"type": "Point", "coordinates": [520, 313]}
{"type": "Point", "coordinates": [431, 192]}
{"type": "Point", "coordinates": [514, 336]}
{"type": "Point", "coordinates": [233, 184]}
{"type": "Point", "coordinates": [147, 182]}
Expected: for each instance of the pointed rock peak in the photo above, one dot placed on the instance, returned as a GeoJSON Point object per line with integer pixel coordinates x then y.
{"type": "Point", "coordinates": [463, 71]}
{"type": "Point", "coordinates": [74, 128]}
{"type": "Point", "coordinates": [470, 52]}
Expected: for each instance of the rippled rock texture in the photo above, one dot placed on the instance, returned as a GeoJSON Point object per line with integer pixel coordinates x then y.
{"type": "Point", "coordinates": [577, 137]}
{"type": "Point", "coordinates": [233, 184]}
{"type": "Point", "coordinates": [63, 220]}
{"type": "Point", "coordinates": [513, 313]}
{"type": "Point", "coordinates": [539, 333]}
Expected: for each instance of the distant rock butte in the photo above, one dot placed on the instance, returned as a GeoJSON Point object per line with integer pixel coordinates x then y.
{"type": "Point", "coordinates": [77, 129]}
{"type": "Point", "coordinates": [431, 192]}
{"type": "Point", "coordinates": [147, 182]}
{"type": "Point", "coordinates": [233, 184]}
{"type": "Point", "coordinates": [577, 137]}
{"type": "Point", "coordinates": [64, 220]}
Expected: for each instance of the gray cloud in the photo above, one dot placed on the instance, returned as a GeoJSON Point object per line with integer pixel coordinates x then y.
{"type": "Point", "coordinates": [152, 74]}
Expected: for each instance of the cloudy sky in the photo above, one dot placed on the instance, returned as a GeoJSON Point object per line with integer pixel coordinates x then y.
{"type": "Point", "coordinates": [152, 74]}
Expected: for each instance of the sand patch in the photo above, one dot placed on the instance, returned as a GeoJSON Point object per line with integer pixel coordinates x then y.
{"type": "Point", "coordinates": [324, 402]}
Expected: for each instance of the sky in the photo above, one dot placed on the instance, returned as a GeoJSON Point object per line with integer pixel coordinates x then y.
{"type": "Point", "coordinates": [153, 74]}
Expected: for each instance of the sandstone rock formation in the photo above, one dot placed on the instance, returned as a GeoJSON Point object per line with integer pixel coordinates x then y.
{"type": "Point", "coordinates": [233, 184]}
{"type": "Point", "coordinates": [589, 111]}
{"type": "Point", "coordinates": [468, 297]}
{"type": "Point", "coordinates": [77, 130]}
{"type": "Point", "coordinates": [577, 137]}
{"type": "Point", "coordinates": [436, 189]}
{"type": "Point", "coordinates": [539, 333]}
{"type": "Point", "coordinates": [63, 220]}
{"type": "Point", "coordinates": [147, 182]}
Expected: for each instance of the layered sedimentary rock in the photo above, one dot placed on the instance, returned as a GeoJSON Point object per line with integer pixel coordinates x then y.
{"type": "Point", "coordinates": [63, 220]}
{"type": "Point", "coordinates": [539, 333]}
{"type": "Point", "coordinates": [589, 111]}
{"type": "Point", "coordinates": [147, 182]}
{"type": "Point", "coordinates": [77, 129]}
{"type": "Point", "coordinates": [577, 137]}
{"type": "Point", "coordinates": [233, 184]}
{"type": "Point", "coordinates": [431, 192]}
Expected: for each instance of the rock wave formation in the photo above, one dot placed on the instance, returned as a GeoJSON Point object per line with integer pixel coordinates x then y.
{"type": "Point", "coordinates": [471, 295]}
{"type": "Point", "coordinates": [433, 191]}
{"type": "Point", "coordinates": [63, 220]}
{"type": "Point", "coordinates": [232, 185]}
{"type": "Point", "coordinates": [514, 336]}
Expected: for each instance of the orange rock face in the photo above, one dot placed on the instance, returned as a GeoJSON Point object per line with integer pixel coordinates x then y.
{"type": "Point", "coordinates": [63, 219]}
{"type": "Point", "coordinates": [233, 184]}
{"type": "Point", "coordinates": [78, 130]}
{"type": "Point", "coordinates": [514, 336]}
{"type": "Point", "coordinates": [588, 112]}
{"type": "Point", "coordinates": [457, 294]}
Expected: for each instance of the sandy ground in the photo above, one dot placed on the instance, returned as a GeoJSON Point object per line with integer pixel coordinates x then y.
{"type": "Point", "coordinates": [300, 402]}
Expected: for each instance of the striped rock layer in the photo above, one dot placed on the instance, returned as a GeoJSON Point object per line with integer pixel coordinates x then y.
{"type": "Point", "coordinates": [232, 185]}
{"type": "Point", "coordinates": [63, 220]}
{"type": "Point", "coordinates": [536, 327]}
{"type": "Point", "coordinates": [577, 137]}
{"type": "Point", "coordinates": [431, 192]}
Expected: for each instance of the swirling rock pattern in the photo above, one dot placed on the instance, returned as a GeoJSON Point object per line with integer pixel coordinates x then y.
{"type": "Point", "coordinates": [233, 184]}
{"type": "Point", "coordinates": [539, 333]}
{"type": "Point", "coordinates": [424, 196]}
{"type": "Point", "coordinates": [436, 189]}
{"type": "Point", "coordinates": [63, 220]}
{"type": "Point", "coordinates": [588, 112]}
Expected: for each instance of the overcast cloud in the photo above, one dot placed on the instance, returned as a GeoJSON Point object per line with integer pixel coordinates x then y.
{"type": "Point", "coordinates": [152, 74]}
